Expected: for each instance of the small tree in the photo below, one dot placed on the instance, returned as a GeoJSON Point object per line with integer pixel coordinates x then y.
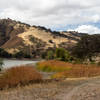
{"type": "Point", "coordinates": [50, 55]}
{"type": "Point", "coordinates": [62, 54]}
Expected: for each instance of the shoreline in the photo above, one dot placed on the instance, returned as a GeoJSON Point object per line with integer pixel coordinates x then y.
{"type": "Point", "coordinates": [25, 59]}
{"type": "Point", "coordinates": [8, 63]}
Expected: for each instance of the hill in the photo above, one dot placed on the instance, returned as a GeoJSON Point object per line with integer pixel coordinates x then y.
{"type": "Point", "coordinates": [17, 36]}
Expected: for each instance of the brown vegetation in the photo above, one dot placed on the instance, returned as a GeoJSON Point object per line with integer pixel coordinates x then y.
{"type": "Point", "coordinates": [53, 66]}
{"type": "Point", "coordinates": [19, 76]}
{"type": "Point", "coordinates": [77, 72]}
{"type": "Point", "coordinates": [68, 70]}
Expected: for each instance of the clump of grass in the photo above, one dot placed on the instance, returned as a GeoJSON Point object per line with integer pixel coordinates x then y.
{"type": "Point", "coordinates": [77, 72]}
{"type": "Point", "coordinates": [53, 66]}
{"type": "Point", "coordinates": [19, 76]}
{"type": "Point", "coordinates": [69, 70]}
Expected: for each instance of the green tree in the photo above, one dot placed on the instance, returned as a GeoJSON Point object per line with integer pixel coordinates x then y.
{"type": "Point", "coordinates": [87, 47]}
{"type": "Point", "coordinates": [50, 55]}
{"type": "Point", "coordinates": [4, 54]}
{"type": "Point", "coordinates": [62, 54]}
{"type": "Point", "coordinates": [21, 54]}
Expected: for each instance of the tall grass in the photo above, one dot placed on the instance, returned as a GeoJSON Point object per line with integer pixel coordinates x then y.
{"type": "Point", "coordinates": [65, 69]}
{"type": "Point", "coordinates": [19, 76]}
{"type": "Point", "coordinates": [53, 66]}
{"type": "Point", "coordinates": [77, 72]}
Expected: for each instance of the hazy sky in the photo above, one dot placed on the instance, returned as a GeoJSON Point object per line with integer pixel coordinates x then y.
{"type": "Point", "coordinates": [78, 15]}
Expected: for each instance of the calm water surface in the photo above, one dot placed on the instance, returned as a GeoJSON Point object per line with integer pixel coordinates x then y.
{"type": "Point", "coordinates": [11, 63]}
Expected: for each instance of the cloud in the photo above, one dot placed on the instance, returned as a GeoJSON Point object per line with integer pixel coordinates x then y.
{"type": "Point", "coordinates": [86, 29]}
{"type": "Point", "coordinates": [51, 13]}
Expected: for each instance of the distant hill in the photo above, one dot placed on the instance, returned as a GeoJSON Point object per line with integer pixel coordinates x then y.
{"type": "Point", "coordinates": [16, 36]}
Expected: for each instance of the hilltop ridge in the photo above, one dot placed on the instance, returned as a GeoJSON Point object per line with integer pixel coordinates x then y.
{"type": "Point", "coordinates": [16, 36]}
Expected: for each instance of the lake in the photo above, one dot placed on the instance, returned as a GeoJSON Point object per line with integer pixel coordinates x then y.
{"type": "Point", "coordinates": [11, 63]}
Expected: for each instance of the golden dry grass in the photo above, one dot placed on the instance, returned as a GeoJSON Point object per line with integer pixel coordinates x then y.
{"type": "Point", "coordinates": [69, 70]}
{"type": "Point", "coordinates": [77, 72]}
{"type": "Point", "coordinates": [19, 76]}
{"type": "Point", "coordinates": [53, 66]}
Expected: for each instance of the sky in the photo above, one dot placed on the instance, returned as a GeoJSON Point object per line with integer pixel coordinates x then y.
{"type": "Point", "coordinates": [61, 15]}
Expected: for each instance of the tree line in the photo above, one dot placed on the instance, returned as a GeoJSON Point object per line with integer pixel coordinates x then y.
{"type": "Point", "coordinates": [87, 47]}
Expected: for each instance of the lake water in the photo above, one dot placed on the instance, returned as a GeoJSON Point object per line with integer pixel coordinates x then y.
{"type": "Point", "coordinates": [11, 63]}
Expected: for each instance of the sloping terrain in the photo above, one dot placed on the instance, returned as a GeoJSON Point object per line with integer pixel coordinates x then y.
{"type": "Point", "coordinates": [16, 36]}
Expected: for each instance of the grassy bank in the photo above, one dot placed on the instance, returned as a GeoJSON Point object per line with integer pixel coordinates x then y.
{"type": "Point", "coordinates": [24, 75]}
{"type": "Point", "coordinates": [53, 66]}
{"type": "Point", "coordinates": [68, 70]}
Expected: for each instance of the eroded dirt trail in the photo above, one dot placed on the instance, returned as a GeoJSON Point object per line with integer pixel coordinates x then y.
{"type": "Point", "coordinates": [88, 90]}
{"type": "Point", "coordinates": [82, 89]}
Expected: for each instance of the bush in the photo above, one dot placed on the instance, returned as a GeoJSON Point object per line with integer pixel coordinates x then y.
{"type": "Point", "coordinates": [58, 54]}
{"type": "Point", "coordinates": [78, 61]}
{"type": "Point", "coordinates": [88, 46]}
{"type": "Point", "coordinates": [50, 41]}
{"type": "Point", "coordinates": [62, 54]}
{"type": "Point", "coordinates": [50, 55]}
{"type": "Point", "coordinates": [4, 54]}
{"type": "Point", "coordinates": [53, 66]}
{"type": "Point", "coordinates": [78, 71]}
{"type": "Point", "coordinates": [19, 76]}
{"type": "Point", "coordinates": [21, 54]}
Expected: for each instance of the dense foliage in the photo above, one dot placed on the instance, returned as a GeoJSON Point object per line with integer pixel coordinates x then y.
{"type": "Point", "coordinates": [21, 54]}
{"type": "Point", "coordinates": [58, 54]}
{"type": "Point", "coordinates": [62, 54]}
{"type": "Point", "coordinates": [4, 54]}
{"type": "Point", "coordinates": [88, 46]}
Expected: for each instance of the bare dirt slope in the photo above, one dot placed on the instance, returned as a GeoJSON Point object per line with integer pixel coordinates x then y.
{"type": "Point", "coordinates": [87, 89]}
{"type": "Point", "coordinates": [15, 36]}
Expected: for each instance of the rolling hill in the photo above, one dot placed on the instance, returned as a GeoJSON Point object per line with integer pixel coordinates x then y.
{"type": "Point", "coordinates": [17, 36]}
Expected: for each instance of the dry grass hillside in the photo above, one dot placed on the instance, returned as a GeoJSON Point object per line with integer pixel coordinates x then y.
{"type": "Point", "coordinates": [16, 36]}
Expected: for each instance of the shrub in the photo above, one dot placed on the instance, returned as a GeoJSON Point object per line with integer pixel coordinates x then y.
{"type": "Point", "coordinates": [53, 66]}
{"type": "Point", "coordinates": [62, 54]}
{"type": "Point", "coordinates": [79, 71]}
{"type": "Point", "coordinates": [4, 54]}
{"type": "Point", "coordinates": [21, 54]}
{"type": "Point", "coordinates": [68, 70]}
{"type": "Point", "coordinates": [77, 61]}
{"type": "Point", "coordinates": [50, 55]}
{"type": "Point", "coordinates": [58, 54]}
{"type": "Point", "coordinates": [50, 41]}
{"type": "Point", "coordinates": [19, 76]}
